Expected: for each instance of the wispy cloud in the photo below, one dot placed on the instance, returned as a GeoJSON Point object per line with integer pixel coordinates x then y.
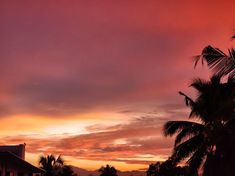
{"type": "Point", "coordinates": [58, 63]}
{"type": "Point", "coordinates": [76, 61]}
{"type": "Point", "coordinates": [139, 141]}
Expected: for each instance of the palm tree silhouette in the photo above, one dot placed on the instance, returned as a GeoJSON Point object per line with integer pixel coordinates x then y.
{"type": "Point", "coordinates": [220, 62]}
{"type": "Point", "coordinates": [51, 164]}
{"type": "Point", "coordinates": [205, 141]}
{"type": "Point", "coordinates": [108, 171]}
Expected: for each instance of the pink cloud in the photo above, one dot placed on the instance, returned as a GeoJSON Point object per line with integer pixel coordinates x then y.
{"type": "Point", "coordinates": [61, 58]}
{"type": "Point", "coordinates": [84, 54]}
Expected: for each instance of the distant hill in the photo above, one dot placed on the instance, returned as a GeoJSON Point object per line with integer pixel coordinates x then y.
{"type": "Point", "coordinates": [84, 172]}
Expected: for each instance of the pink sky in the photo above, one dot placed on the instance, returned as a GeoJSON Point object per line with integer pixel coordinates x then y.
{"type": "Point", "coordinates": [96, 80]}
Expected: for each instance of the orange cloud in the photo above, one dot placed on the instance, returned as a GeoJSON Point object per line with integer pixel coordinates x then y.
{"type": "Point", "coordinates": [138, 142]}
{"type": "Point", "coordinates": [75, 75]}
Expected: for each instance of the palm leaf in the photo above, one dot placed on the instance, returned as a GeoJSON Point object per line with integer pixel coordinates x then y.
{"type": "Point", "coordinates": [188, 100]}
{"type": "Point", "coordinates": [191, 131]}
{"type": "Point", "coordinates": [196, 160]}
{"type": "Point", "coordinates": [59, 160]}
{"type": "Point", "coordinates": [172, 127]}
{"type": "Point", "coordinates": [221, 63]}
{"type": "Point", "coordinates": [187, 148]}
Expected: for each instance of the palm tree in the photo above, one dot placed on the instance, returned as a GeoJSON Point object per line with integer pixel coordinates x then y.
{"type": "Point", "coordinates": [221, 63]}
{"type": "Point", "coordinates": [204, 141]}
{"type": "Point", "coordinates": [108, 171]}
{"type": "Point", "coordinates": [51, 164]}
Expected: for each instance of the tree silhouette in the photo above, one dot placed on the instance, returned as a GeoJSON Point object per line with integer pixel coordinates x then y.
{"type": "Point", "coordinates": [167, 168]}
{"type": "Point", "coordinates": [206, 140]}
{"type": "Point", "coordinates": [50, 164]}
{"type": "Point", "coordinates": [55, 166]}
{"type": "Point", "coordinates": [220, 62]}
{"type": "Point", "coordinates": [67, 171]}
{"type": "Point", "coordinates": [153, 169]}
{"type": "Point", "coordinates": [108, 171]}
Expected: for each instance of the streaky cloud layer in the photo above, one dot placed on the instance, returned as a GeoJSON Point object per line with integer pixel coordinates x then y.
{"type": "Point", "coordinates": [95, 81]}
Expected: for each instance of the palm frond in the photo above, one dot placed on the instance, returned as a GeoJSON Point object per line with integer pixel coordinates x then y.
{"type": "Point", "coordinates": [191, 131]}
{"type": "Point", "coordinates": [221, 63]}
{"type": "Point", "coordinates": [215, 79]}
{"type": "Point", "coordinates": [188, 100]}
{"type": "Point", "coordinates": [197, 59]}
{"type": "Point", "coordinates": [231, 78]}
{"type": "Point", "coordinates": [212, 55]}
{"type": "Point", "coordinates": [187, 148]}
{"type": "Point", "coordinates": [199, 84]}
{"type": "Point", "coordinates": [59, 160]}
{"type": "Point", "coordinates": [172, 127]}
{"type": "Point", "coordinates": [42, 161]}
{"type": "Point", "coordinates": [196, 160]}
{"type": "Point", "coordinates": [192, 104]}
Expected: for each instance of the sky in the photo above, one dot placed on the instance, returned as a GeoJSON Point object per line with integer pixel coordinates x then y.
{"type": "Point", "coordinates": [95, 80]}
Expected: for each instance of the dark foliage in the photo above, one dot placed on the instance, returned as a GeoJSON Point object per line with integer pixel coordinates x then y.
{"type": "Point", "coordinates": [55, 166]}
{"type": "Point", "coordinates": [66, 171]}
{"type": "Point", "coordinates": [221, 63]}
{"type": "Point", "coordinates": [167, 168]}
{"type": "Point", "coordinates": [108, 171]}
{"type": "Point", "coordinates": [211, 140]}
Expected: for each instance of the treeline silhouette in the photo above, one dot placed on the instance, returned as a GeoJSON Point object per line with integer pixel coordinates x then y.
{"type": "Point", "coordinates": [55, 166]}
{"type": "Point", "coordinates": [167, 168]}
{"type": "Point", "coordinates": [108, 171]}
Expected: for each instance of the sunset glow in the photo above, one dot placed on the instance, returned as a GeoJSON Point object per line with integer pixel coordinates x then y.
{"type": "Point", "coordinates": [94, 81]}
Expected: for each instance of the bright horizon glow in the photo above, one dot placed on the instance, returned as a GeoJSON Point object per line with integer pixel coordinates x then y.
{"type": "Point", "coordinates": [96, 81]}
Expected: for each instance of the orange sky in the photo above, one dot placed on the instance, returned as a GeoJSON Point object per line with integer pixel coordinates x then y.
{"type": "Point", "coordinates": [95, 81]}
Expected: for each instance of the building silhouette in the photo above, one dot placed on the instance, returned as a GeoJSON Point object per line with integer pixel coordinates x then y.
{"type": "Point", "coordinates": [12, 162]}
